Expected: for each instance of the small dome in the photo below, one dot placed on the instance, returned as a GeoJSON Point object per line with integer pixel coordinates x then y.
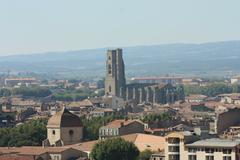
{"type": "Point", "coordinates": [64, 118]}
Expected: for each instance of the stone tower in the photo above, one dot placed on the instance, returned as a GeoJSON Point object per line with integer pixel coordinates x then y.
{"type": "Point", "coordinates": [115, 82]}
{"type": "Point", "coordinates": [63, 128]}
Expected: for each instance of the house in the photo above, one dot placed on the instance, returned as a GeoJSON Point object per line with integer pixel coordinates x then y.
{"type": "Point", "coordinates": [39, 153]}
{"type": "Point", "coordinates": [157, 131]}
{"type": "Point", "coordinates": [101, 112]}
{"type": "Point", "coordinates": [80, 105]}
{"type": "Point", "coordinates": [225, 120]}
{"type": "Point", "coordinates": [195, 98]}
{"type": "Point", "coordinates": [233, 98]}
{"type": "Point", "coordinates": [121, 127]}
{"type": "Point", "coordinates": [113, 102]}
{"type": "Point", "coordinates": [232, 132]}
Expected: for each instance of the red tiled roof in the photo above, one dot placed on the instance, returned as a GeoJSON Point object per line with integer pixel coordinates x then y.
{"type": "Point", "coordinates": [119, 123]}
{"type": "Point", "coordinates": [11, 157]}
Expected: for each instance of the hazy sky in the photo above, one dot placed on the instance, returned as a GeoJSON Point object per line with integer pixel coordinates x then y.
{"type": "Point", "coordinates": [28, 26]}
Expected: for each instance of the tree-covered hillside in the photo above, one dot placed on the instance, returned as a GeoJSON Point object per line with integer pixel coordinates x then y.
{"type": "Point", "coordinates": [218, 58]}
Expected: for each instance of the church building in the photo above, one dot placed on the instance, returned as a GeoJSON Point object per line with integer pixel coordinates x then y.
{"type": "Point", "coordinates": [115, 84]}
{"type": "Point", "coordinates": [63, 128]}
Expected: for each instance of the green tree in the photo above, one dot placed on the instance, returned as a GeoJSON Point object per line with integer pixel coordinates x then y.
{"type": "Point", "coordinates": [31, 133]}
{"type": "Point", "coordinates": [145, 155]}
{"type": "Point", "coordinates": [150, 118]}
{"type": "Point", "coordinates": [114, 149]}
{"type": "Point", "coordinates": [212, 89]}
{"type": "Point", "coordinates": [5, 92]}
{"type": "Point", "coordinates": [32, 92]}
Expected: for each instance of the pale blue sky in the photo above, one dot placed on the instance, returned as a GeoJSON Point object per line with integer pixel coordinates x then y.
{"type": "Point", "coordinates": [29, 26]}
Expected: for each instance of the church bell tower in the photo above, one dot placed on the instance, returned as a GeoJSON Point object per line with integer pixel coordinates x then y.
{"type": "Point", "coordinates": [115, 82]}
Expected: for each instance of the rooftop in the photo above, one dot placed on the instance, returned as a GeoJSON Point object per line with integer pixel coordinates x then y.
{"type": "Point", "coordinates": [120, 123]}
{"type": "Point", "coordinates": [84, 103]}
{"type": "Point", "coordinates": [64, 118]}
{"type": "Point", "coordinates": [31, 150]}
{"type": "Point", "coordinates": [215, 142]}
{"type": "Point", "coordinates": [142, 141]}
{"type": "Point", "coordinates": [155, 78]}
{"type": "Point", "coordinates": [196, 96]}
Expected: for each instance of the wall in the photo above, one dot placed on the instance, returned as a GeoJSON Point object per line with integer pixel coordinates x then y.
{"type": "Point", "coordinates": [228, 119]}
{"type": "Point", "coordinates": [53, 137]}
{"type": "Point", "coordinates": [74, 138]}
{"type": "Point", "coordinates": [134, 127]}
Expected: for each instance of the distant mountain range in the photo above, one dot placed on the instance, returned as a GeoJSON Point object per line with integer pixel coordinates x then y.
{"type": "Point", "coordinates": [218, 58]}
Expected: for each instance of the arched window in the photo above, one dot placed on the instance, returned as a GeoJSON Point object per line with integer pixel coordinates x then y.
{"type": "Point", "coordinates": [71, 132]}
{"type": "Point", "coordinates": [109, 69]}
{"type": "Point", "coordinates": [110, 89]}
{"type": "Point", "coordinates": [53, 132]}
{"type": "Point", "coordinates": [109, 58]}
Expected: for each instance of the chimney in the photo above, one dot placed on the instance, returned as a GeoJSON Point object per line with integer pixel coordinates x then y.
{"type": "Point", "coordinates": [122, 124]}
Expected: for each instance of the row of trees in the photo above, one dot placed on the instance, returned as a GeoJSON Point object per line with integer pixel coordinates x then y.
{"type": "Point", "coordinates": [151, 118]}
{"type": "Point", "coordinates": [28, 134]}
{"type": "Point", "coordinates": [73, 94]}
{"type": "Point", "coordinates": [26, 91]}
{"type": "Point", "coordinates": [211, 89]}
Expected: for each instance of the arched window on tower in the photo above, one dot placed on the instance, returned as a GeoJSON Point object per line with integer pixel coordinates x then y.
{"type": "Point", "coordinates": [109, 58]}
{"type": "Point", "coordinates": [109, 69]}
{"type": "Point", "coordinates": [110, 89]}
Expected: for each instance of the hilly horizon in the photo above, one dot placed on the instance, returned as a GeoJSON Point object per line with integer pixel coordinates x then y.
{"type": "Point", "coordinates": [206, 59]}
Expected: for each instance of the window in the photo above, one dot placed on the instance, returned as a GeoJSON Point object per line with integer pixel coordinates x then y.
{"type": "Point", "coordinates": [209, 157]}
{"type": "Point", "coordinates": [227, 151]}
{"type": "Point", "coordinates": [110, 89]}
{"type": "Point", "coordinates": [173, 140]}
{"type": "Point", "coordinates": [56, 157]}
{"type": "Point", "coordinates": [227, 158]}
{"type": "Point", "coordinates": [218, 150]}
{"type": "Point", "coordinates": [192, 157]}
{"type": "Point", "coordinates": [71, 132]}
{"type": "Point", "coordinates": [192, 150]}
{"type": "Point", "coordinates": [53, 132]}
{"type": "Point", "coordinates": [209, 150]}
{"type": "Point", "coordinates": [173, 149]}
{"type": "Point", "coordinates": [109, 69]}
{"type": "Point", "coordinates": [173, 157]}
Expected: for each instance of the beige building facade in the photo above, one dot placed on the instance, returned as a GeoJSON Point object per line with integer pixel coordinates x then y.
{"type": "Point", "coordinates": [184, 146]}
{"type": "Point", "coordinates": [64, 128]}
{"type": "Point", "coordinates": [121, 127]}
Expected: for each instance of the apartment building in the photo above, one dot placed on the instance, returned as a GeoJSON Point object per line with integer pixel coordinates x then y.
{"type": "Point", "coordinates": [175, 145]}
{"type": "Point", "coordinates": [187, 146]}
{"type": "Point", "coordinates": [213, 149]}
